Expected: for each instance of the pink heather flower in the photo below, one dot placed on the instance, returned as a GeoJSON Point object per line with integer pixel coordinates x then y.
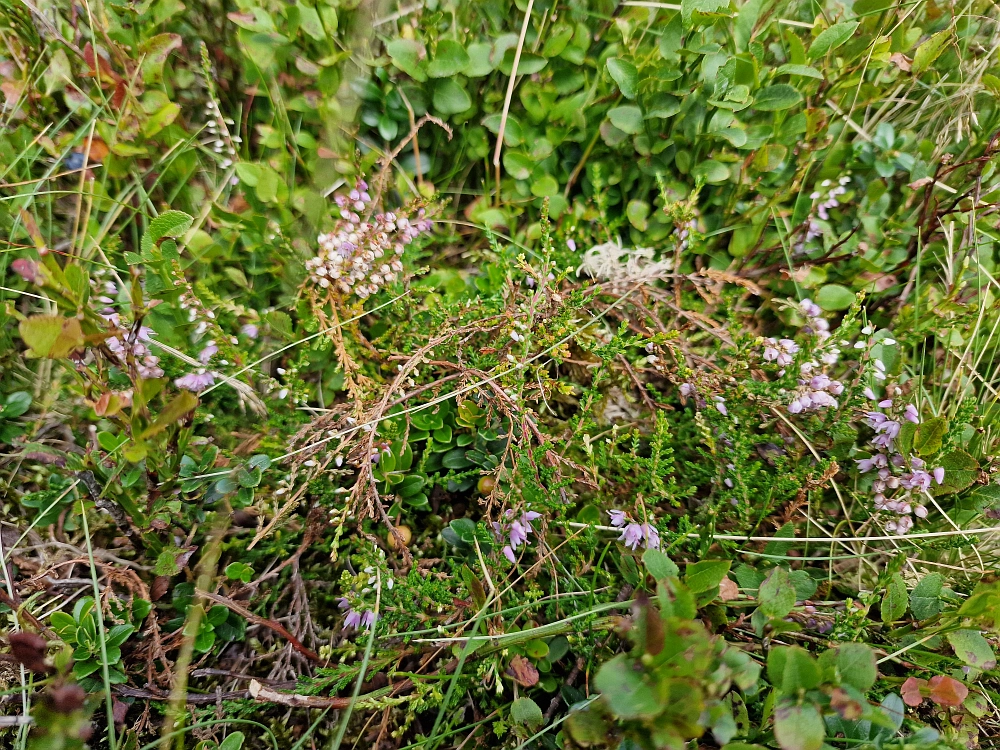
{"type": "Point", "coordinates": [617, 517]}
{"type": "Point", "coordinates": [352, 620]}
{"type": "Point", "coordinates": [632, 535]}
{"type": "Point", "coordinates": [368, 619]}
{"type": "Point", "coordinates": [686, 389]}
{"type": "Point", "coordinates": [720, 404]}
{"type": "Point", "coordinates": [208, 352]}
{"type": "Point", "coordinates": [571, 244]}
{"type": "Point", "coordinates": [865, 465]}
{"type": "Point", "coordinates": [809, 308]}
{"type": "Point", "coordinates": [910, 413]}
{"type": "Point", "coordinates": [885, 404]}
{"type": "Point", "coordinates": [518, 534]}
{"type": "Point", "coordinates": [870, 394]}
{"type": "Point", "coordinates": [195, 381]}
{"type": "Point", "coordinates": [250, 331]}
{"type": "Point", "coordinates": [939, 474]}
{"type": "Point", "coordinates": [652, 536]}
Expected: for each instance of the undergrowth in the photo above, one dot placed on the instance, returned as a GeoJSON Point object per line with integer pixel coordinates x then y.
{"type": "Point", "coordinates": [499, 374]}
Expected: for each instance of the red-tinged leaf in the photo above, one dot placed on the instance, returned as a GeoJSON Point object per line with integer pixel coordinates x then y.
{"type": "Point", "coordinates": [118, 98]}
{"type": "Point", "coordinates": [27, 270]}
{"type": "Point", "coordinates": [845, 705]}
{"type": "Point", "coordinates": [522, 671]}
{"type": "Point", "coordinates": [29, 650]}
{"type": "Point", "coordinates": [99, 64]}
{"type": "Point", "coordinates": [911, 691]}
{"type": "Point", "coordinates": [947, 691]}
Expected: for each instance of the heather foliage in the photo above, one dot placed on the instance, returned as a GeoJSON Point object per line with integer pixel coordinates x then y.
{"type": "Point", "coordinates": [509, 373]}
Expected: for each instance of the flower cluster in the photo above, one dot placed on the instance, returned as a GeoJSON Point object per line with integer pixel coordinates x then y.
{"type": "Point", "coordinates": [895, 471]}
{"type": "Point", "coordinates": [218, 134]}
{"type": "Point", "coordinates": [359, 255]}
{"type": "Point", "coordinates": [815, 391]}
{"type": "Point", "coordinates": [780, 351]}
{"type": "Point", "coordinates": [830, 201]}
{"type": "Point", "coordinates": [684, 233]}
{"type": "Point", "coordinates": [634, 534]}
{"type": "Point", "coordinates": [124, 344]}
{"type": "Point", "coordinates": [355, 619]}
{"type": "Point", "coordinates": [815, 322]}
{"type": "Point", "coordinates": [516, 531]}
{"type": "Point", "coordinates": [822, 210]}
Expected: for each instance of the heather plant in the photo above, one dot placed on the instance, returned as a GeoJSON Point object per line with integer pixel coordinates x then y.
{"type": "Point", "coordinates": [517, 373]}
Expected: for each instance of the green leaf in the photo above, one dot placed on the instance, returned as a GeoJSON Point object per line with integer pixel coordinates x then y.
{"type": "Point", "coordinates": [929, 51]}
{"type": "Point", "coordinates": [894, 601]}
{"type": "Point", "coordinates": [626, 75]}
{"type": "Point", "coordinates": [233, 741]}
{"type": "Point", "coordinates": [834, 297]}
{"type": "Point", "coordinates": [799, 727]}
{"type": "Point", "coordinates": [16, 404]}
{"type": "Point", "coordinates": [628, 119]}
{"type": "Point", "coordinates": [799, 70]}
{"type": "Point", "coordinates": [746, 20]}
{"type": "Point", "coordinates": [450, 58]}
{"type": "Point", "coordinates": [960, 471]}
{"type": "Point", "coordinates": [51, 336]}
{"type": "Point", "coordinates": [587, 727]}
{"type": "Point", "coordinates": [925, 599]}
{"type": "Point", "coordinates": [450, 98]}
{"type": "Point", "coordinates": [662, 105]}
{"type": "Point", "coordinates": [480, 60]}
{"type": "Point", "coordinates": [518, 165]}
{"type": "Point", "coordinates": [118, 634]}
{"type": "Point", "coordinates": [659, 565]}
{"type": "Point", "coordinates": [545, 186]}
{"type": "Point", "coordinates": [831, 38]}
{"type": "Point", "coordinates": [805, 585]}
{"type": "Point", "coordinates": [792, 668]}
{"type": "Point", "coordinates": [857, 667]}
{"type": "Point", "coordinates": [928, 436]}
{"type": "Point", "coordinates": [167, 224]}
{"type": "Point", "coordinates": [637, 212]}
{"type": "Point", "coordinates": [777, 594]}
{"type": "Point", "coordinates": [777, 97]}
{"type": "Point", "coordinates": [185, 402]}
{"type": "Point", "coordinates": [406, 55]}
{"type": "Point", "coordinates": [973, 649]}
{"type": "Point", "coordinates": [628, 695]}
{"type": "Point", "coordinates": [690, 7]}
{"type": "Point", "coordinates": [711, 171]}
{"type": "Point", "coordinates": [986, 497]}
{"type": "Point", "coordinates": [154, 53]}
{"type": "Point", "coordinates": [705, 575]}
